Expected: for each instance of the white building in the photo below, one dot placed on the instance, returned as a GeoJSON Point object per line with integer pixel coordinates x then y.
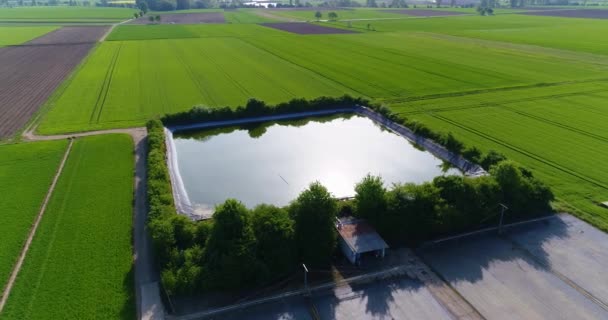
{"type": "Point", "coordinates": [357, 237]}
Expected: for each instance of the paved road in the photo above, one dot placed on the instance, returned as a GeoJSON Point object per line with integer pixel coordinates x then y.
{"type": "Point", "coordinates": [149, 304]}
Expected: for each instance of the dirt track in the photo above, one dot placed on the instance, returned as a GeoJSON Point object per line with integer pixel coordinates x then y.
{"type": "Point", "coordinates": [29, 73]}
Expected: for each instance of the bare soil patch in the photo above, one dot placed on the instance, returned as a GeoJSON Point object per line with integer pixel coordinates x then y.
{"type": "Point", "coordinates": [71, 35]}
{"type": "Point", "coordinates": [305, 28]}
{"type": "Point", "coordinates": [425, 13]}
{"type": "Point", "coordinates": [30, 73]}
{"type": "Point", "coordinates": [574, 13]}
{"type": "Point", "coordinates": [185, 18]}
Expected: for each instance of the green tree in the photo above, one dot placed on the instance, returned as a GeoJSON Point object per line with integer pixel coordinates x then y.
{"type": "Point", "coordinates": [521, 192]}
{"type": "Point", "coordinates": [157, 18]}
{"type": "Point", "coordinates": [230, 251]}
{"type": "Point", "coordinates": [151, 18]}
{"type": "Point", "coordinates": [143, 6]}
{"type": "Point", "coordinates": [370, 200]}
{"type": "Point", "coordinates": [318, 15]}
{"type": "Point", "coordinates": [183, 4]}
{"type": "Point", "coordinates": [314, 212]}
{"type": "Point", "coordinates": [274, 233]}
{"type": "Point", "coordinates": [332, 16]}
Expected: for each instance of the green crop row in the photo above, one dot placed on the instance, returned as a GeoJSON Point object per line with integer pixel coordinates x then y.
{"type": "Point", "coordinates": [26, 172]}
{"type": "Point", "coordinates": [79, 265]}
{"type": "Point", "coordinates": [556, 131]}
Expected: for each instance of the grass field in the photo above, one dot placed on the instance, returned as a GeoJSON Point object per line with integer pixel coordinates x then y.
{"type": "Point", "coordinates": [18, 35]}
{"type": "Point", "coordinates": [80, 263]}
{"type": "Point", "coordinates": [528, 86]}
{"type": "Point", "coordinates": [560, 33]}
{"type": "Point", "coordinates": [276, 66]}
{"type": "Point", "coordinates": [559, 131]}
{"type": "Point", "coordinates": [38, 14]}
{"type": "Point", "coordinates": [26, 172]}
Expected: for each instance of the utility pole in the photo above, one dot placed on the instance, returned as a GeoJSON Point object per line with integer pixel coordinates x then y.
{"type": "Point", "coordinates": [503, 208]}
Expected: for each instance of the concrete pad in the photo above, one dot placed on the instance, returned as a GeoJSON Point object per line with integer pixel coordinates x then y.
{"type": "Point", "coordinates": [503, 282]}
{"type": "Point", "coordinates": [402, 298]}
{"type": "Point", "coordinates": [571, 247]}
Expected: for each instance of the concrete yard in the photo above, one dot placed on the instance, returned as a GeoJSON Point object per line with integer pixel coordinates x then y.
{"type": "Point", "coordinates": [401, 298]}
{"type": "Point", "coordinates": [548, 270]}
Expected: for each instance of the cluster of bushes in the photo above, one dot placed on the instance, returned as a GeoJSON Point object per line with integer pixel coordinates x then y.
{"type": "Point", "coordinates": [257, 108]}
{"type": "Point", "coordinates": [238, 247]}
{"type": "Point", "coordinates": [409, 213]}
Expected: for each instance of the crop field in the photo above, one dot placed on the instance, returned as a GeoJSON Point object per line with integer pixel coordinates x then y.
{"type": "Point", "coordinates": [278, 66]}
{"type": "Point", "coordinates": [29, 74]}
{"type": "Point", "coordinates": [559, 131]}
{"type": "Point", "coordinates": [18, 35]}
{"type": "Point", "coordinates": [79, 264]}
{"type": "Point", "coordinates": [26, 171]}
{"type": "Point", "coordinates": [568, 34]}
{"type": "Point", "coordinates": [57, 14]}
{"type": "Point", "coordinates": [302, 14]}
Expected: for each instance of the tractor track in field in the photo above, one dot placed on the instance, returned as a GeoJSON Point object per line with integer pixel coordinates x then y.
{"type": "Point", "coordinates": [305, 68]}
{"type": "Point", "coordinates": [501, 103]}
{"type": "Point", "coordinates": [193, 77]}
{"type": "Point", "coordinates": [105, 88]}
{"type": "Point", "coordinates": [522, 151]}
{"type": "Point", "coordinates": [557, 124]}
{"type": "Point", "coordinates": [492, 90]}
{"type": "Point", "coordinates": [11, 281]}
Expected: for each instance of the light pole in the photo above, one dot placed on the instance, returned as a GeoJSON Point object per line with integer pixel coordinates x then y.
{"type": "Point", "coordinates": [503, 208]}
{"type": "Point", "coordinates": [305, 276]}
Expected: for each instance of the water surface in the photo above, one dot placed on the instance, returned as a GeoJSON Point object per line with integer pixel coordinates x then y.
{"type": "Point", "coordinates": [273, 162]}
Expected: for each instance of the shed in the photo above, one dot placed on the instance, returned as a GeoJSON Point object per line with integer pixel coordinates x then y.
{"type": "Point", "coordinates": [358, 237]}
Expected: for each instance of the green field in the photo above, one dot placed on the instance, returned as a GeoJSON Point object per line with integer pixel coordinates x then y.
{"type": "Point", "coordinates": [26, 172]}
{"type": "Point", "coordinates": [50, 14]}
{"type": "Point", "coordinates": [528, 86]}
{"type": "Point", "coordinates": [276, 66]}
{"type": "Point", "coordinates": [79, 265]}
{"type": "Point", "coordinates": [18, 35]}
{"type": "Point", "coordinates": [559, 131]}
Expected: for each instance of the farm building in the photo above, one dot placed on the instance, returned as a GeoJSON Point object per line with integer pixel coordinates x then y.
{"type": "Point", "coordinates": [357, 237]}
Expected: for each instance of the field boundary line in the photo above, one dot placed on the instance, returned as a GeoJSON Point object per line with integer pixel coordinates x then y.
{"type": "Point", "coordinates": [490, 90]}
{"type": "Point", "coordinates": [502, 104]}
{"type": "Point", "coordinates": [9, 286]}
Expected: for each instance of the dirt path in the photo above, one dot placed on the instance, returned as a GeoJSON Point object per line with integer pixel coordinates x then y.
{"type": "Point", "coordinates": [26, 247]}
{"type": "Point", "coordinates": [103, 38]}
{"type": "Point", "coordinates": [147, 291]}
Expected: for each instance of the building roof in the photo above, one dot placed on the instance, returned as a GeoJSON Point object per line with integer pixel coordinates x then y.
{"type": "Point", "coordinates": [359, 235]}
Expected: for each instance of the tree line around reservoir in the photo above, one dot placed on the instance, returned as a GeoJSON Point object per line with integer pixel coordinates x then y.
{"type": "Point", "coordinates": [244, 247]}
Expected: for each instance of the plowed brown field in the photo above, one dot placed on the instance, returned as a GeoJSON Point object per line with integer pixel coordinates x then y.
{"type": "Point", "coordinates": [30, 73]}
